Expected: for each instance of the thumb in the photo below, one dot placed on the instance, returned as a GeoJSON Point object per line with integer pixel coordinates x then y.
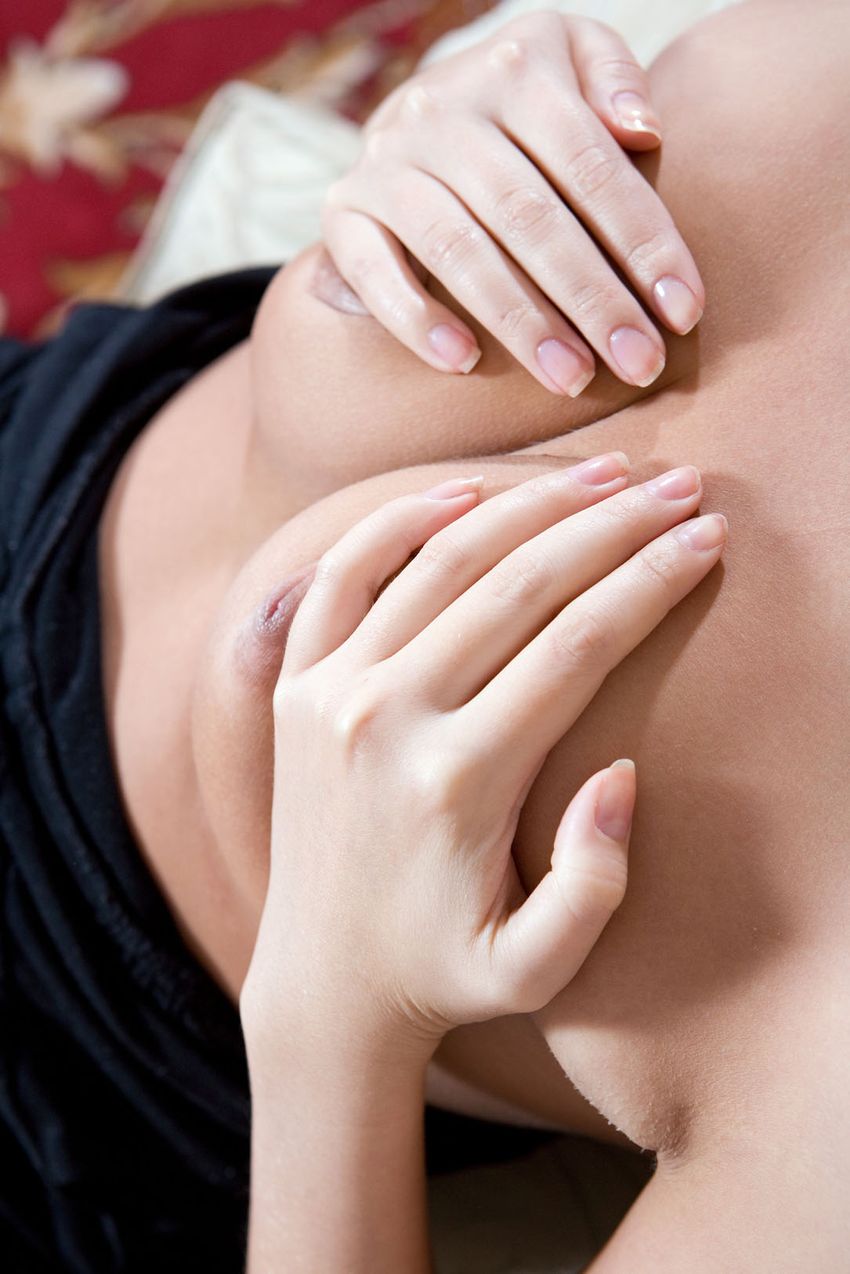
{"type": "Point", "coordinates": [545, 942]}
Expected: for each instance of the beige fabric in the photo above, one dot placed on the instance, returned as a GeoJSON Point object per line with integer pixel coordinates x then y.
{"type": "Point", "coordinates": [250, 186]}
{"type": "Point", "coordinates": [247, 190]}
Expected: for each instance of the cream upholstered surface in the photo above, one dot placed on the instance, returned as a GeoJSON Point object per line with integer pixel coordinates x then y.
{"type": "Point", "coordinates": [250, 185]}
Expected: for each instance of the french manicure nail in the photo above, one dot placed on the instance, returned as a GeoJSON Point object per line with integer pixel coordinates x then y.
{"type": "Point", "coordinates": [704, 533]}
{"type": "Point", "coordinates": [455, 487]}
{"type": "Point", "coordinates": [681, 310]}
{"type": "Point", "coordinates": [615, 800]}
{"type": "Point", "coordinates": [677, 484]}
{"type": "Point", "coordinates": [453, 348]}
{"type": "Point", "coordinates": [634, 113]}
{"type": "Point", "coordinates": [639, 358]}
{"type": "Point", "coordinates": [602, 469]}
{"type": "Point", "coordinates": [563, 366]}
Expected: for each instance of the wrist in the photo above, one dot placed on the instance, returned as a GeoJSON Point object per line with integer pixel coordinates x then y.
{"type": "Point", "coordinates": [285, 1028]}
{"type": "Point", "coordinates": [326, 1089]}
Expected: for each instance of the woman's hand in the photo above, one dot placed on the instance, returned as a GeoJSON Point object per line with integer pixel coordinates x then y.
{"type": "Point", "coordinates": [502, 172]}
{"type": "Point", "coordinates": [411, 719]}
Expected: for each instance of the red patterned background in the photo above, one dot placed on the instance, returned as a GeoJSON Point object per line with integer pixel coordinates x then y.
{"type": "Point", "coordinates": [97, 97]}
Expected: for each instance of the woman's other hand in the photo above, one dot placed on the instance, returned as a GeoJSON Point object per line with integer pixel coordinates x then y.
{"type": "Point", "coordinates": [411, 719]}
{"type": "Point", "coordinates": [502, 171]}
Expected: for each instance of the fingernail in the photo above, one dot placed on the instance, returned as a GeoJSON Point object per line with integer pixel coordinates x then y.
{"type": "Point", "coordinates": [564, 367]}
{"type": "Point", "coordinates": [453, 348]}
{"type": "Point", "coordinates": [634, 113]}
{"type": "Point", "coordinates": [704, 533]}
{"type": "Point", "coordinates": [681, 310]}
{"type": "Point", "coordinates": [454, 487]}
{"type": "Point", "coordinates": [602, 469]}
{"type": "Point", "coordinates": [676, 484]}
{"type": "Point", "coordinates": [639, 358]}
{"type": "Point", "coordinates": [616, 800]}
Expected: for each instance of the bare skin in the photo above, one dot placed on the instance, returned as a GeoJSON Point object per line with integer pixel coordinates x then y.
{"type": "Point", "coordinates": [708, 1021]}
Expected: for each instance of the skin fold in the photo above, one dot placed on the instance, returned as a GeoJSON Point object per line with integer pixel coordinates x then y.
{"type": "Point", "coordinates": [710, 1021]}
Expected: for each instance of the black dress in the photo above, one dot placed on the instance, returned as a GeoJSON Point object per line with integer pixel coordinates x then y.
{"type": "Point", "coordinates": [124, 1105]}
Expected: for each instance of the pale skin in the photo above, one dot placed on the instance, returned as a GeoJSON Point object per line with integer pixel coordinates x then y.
{"type": "Point", "coordinates": [709, 1021]}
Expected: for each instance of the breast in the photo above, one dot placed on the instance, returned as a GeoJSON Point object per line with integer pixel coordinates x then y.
{"type": "Point", "coordinates": [340, 400]}
{"type": "Point", "coordinates": [735, 713]}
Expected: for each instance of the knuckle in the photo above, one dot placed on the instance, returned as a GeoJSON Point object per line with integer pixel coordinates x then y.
{"type": "Point", "coordinates": [509, 54]}
{"type": "Point", "coordinates": [447, 245]}
{"type": "Point", "coordinates": [592, 169]}
{"type": "Point", "coordinates": [524, 210]}
{"type": "Point", "coordinates": [440, 783]}
{"type": "Point", "coordinates": [443, 557]}
{"type": "Point", "coordinates": [355, 720]}
{"type": "Point", "coordinates": [586, 641]}
{"type": "Point", "coordinates": [417, 101]}
{"type": "Point", "coordinates": [329, 570]}
{"type": "Point", "coordinates": [296, 699]}
{"type": "Point", "coordinates": [625, 514]}
{"type": "Point", "coordinates": [522, 579]}
{"type": "Point", "coordinates": [594, 298]}
{"type": "Point", "coordinates": [513, 319]}
{"type": "Point", "coordinates": [642, 257]}
{"type": "Point", "coordinates": [659, 568]}
{"type": "Point", "coordinates": [592, 896]}
{"type": "Point", "coordinates": [623, 70]}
